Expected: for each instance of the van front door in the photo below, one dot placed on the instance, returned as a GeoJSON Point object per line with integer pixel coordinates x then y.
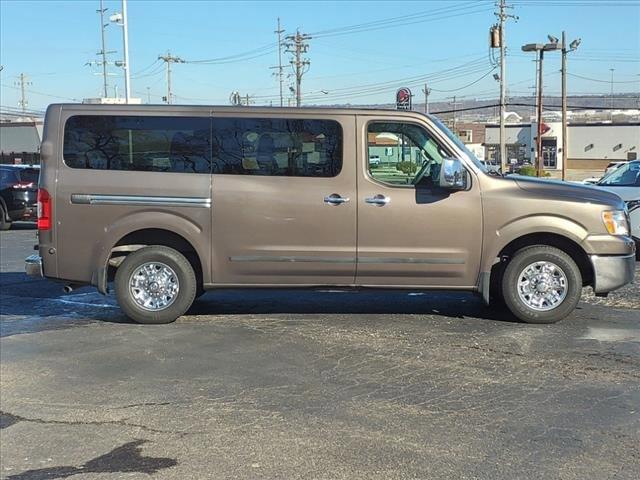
{"type": "Point", "coordinates": [410, 231]}
{"type": "Point", "coordinates": [284, 207]}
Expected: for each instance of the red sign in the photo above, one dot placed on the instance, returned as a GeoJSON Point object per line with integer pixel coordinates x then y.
{"type": "Point", "coordinates": [403, 99]}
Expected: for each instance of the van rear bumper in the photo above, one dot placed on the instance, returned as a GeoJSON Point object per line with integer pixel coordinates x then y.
{"type": "Point", "coordinates": [612, 271]}
{"type": "Point", "coordinates": [33, 266]}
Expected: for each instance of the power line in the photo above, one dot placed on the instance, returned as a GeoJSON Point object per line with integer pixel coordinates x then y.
{"type": "Point", "coordinates": [603, 81]}
{"type": "Point", "coordinates": [467, 85]}
{"type": "Point", "coordinates": [238, 57]}
{"type": "Point", "coordinates": [41, 93]}
{"type": "Point", "coordinates": [466, 8]}
{"type": "Point", "coordinates": [356, 91]}
{"type": "Point", "coordinates": [139, 72]}
{"type": "Point", "coordinates": [464, 68]}
{"type": "Point", "coordinates": [547, 107]}
{"type": "Point", "coordinates": [576, 3]}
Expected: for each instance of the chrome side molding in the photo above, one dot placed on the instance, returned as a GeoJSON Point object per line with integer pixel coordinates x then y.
{"type": "Point", "coordinates": [139, 200]}
{"type": "Point", "coordinates": [281, 258]}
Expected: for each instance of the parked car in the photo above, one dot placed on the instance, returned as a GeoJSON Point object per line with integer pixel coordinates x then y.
{"type": "Point", "coordinates": [374, 161]}
{"type": "Point", "coordinates": [611, 167]}
{"type": "Point", "coordinates": [18, 191]}
{"type": "Point", "coordinates": [491, 165]}
{"type": "Point", "coordinates": [625, 181]}
{"type": "Point", "coordinates": [169, 201]}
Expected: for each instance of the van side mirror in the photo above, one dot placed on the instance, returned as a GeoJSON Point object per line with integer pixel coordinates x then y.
{"type": "Point", "coordinates": [453, 175]}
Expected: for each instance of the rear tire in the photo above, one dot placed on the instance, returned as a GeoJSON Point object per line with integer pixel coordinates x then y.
{"type": "Point", "coordinates": [4, 223]}
{"type": "Point", "coordinates": [541, 284]}
{"type": "Point", "coordinates": [155, 285]}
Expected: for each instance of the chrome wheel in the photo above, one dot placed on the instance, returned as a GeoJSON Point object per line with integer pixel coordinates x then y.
{"type": "Point", "coordinates": [542, 286]}
{"type": "Point", "coordinates": [154, 286]}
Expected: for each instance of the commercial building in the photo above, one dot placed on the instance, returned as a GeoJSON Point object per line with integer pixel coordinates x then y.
{"type": "Point", "coordinates": [20, 142]}
{"type": "Point", "coordinates": [591, 145]}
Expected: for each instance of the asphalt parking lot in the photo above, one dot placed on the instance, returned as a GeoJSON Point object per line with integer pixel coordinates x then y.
{"type": "Point", "coordinates": [327, 385]}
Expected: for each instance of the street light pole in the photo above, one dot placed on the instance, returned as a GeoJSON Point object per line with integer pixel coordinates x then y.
{"type": "Point", "coordinates": [539, 166]}
{"type": "Point", "coordinates": [564, 106]}
{"type": "Point", "coordinates": [125, 39]}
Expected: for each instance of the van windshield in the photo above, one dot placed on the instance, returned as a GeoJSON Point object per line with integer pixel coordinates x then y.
{"type": "Point", "coordinates": [459, 143]}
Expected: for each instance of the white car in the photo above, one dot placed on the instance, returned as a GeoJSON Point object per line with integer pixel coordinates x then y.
{"type": "Point", "coordinates": [612, 167]}
{"type": "Point", "coordinates": [625, 181]}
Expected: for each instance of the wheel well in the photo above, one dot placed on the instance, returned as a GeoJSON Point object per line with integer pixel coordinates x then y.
{"type": "Point", "coordinates": [565, 244]}
{"type": "Point", "coordinates": [153, 236]}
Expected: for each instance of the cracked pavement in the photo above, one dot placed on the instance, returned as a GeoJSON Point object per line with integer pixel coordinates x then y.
{"type": "Point", "coordinates": [327, 385]}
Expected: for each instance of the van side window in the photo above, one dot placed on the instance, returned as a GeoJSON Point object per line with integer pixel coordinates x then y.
{"type": "Point", "coordinates": [277, 147]}
{"type": "Point", "coordinates": [401, 153]}
{"type": "Point", "coordinates": [140, 143]}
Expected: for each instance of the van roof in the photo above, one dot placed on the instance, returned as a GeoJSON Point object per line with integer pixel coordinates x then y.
{"type": "Point", "coordinates": [234, 109]}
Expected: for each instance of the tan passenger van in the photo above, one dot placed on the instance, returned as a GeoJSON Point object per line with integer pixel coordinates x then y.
{"type": "Point", "coordinates": [169, 201]}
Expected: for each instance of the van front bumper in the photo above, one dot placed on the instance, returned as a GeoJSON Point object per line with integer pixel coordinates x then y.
{"type": "Point", "coordinates": [612, 271]}
{"type": "Point", "coordinates": [33, 266]}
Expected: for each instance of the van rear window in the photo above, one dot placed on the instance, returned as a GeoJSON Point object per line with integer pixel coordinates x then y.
{"type": "Point", "coordinates": [141, 143]}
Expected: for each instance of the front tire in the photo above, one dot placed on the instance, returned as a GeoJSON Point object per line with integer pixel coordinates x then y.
{"type": "Point", "coordinates": [155, 285]}
{"type": "Point", "coordinates": [541, 284]}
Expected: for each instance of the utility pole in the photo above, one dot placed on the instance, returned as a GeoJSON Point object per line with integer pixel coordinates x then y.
{"type": "Point", "coordinates": [103, 51]}
{"type": "Point", "coordinates": [611, 99]}
{"type": "Point", "coordinates": [23, 82]}
{"type": "Point", "coordinates": [299, 45]}
{"type": "Point", "coordinates": [280, 68]}
{"type": "Point", "coordinates": [455, 106]}
{"type": "Point", "coordinates": [503, 16]}
{"type": "Point", "coordinates": [169, 59]}
{"type": "Point", "coordinates": [426, 92]}
{"type": "Point", "coordinates": [148, 95]}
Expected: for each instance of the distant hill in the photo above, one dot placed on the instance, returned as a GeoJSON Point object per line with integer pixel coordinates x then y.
{"type": "Point", "coordinates": [523, 106]}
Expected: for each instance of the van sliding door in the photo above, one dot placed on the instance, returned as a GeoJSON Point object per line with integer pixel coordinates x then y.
{"type": "Point", "coordinates": [283, 199]}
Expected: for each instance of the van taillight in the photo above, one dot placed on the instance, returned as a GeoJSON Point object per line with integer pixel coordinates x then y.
{"type": "Point", "coordinates": [44, 209]}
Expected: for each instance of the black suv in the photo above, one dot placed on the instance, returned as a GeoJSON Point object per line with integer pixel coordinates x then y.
{"type": "Point", "coordinates": [18, 193]}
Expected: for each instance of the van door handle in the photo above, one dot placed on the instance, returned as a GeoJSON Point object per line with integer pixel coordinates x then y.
{"type": "Point", "coordinates": [378, 200]}
{"type": "Point", "coordinates": [335, 199]}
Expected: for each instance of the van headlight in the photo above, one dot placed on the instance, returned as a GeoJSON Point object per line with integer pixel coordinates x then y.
{"type": "Point", "coordinates": [616, 222]}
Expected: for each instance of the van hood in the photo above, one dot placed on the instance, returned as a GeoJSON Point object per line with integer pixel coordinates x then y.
{"type": "Point", "coordinates": [627, 194]}
{"type": "Point", "coordinates": [570, 191]}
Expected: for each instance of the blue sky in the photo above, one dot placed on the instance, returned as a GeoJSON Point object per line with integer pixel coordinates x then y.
{"type": "Point", "coordinates": [443, 41]}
